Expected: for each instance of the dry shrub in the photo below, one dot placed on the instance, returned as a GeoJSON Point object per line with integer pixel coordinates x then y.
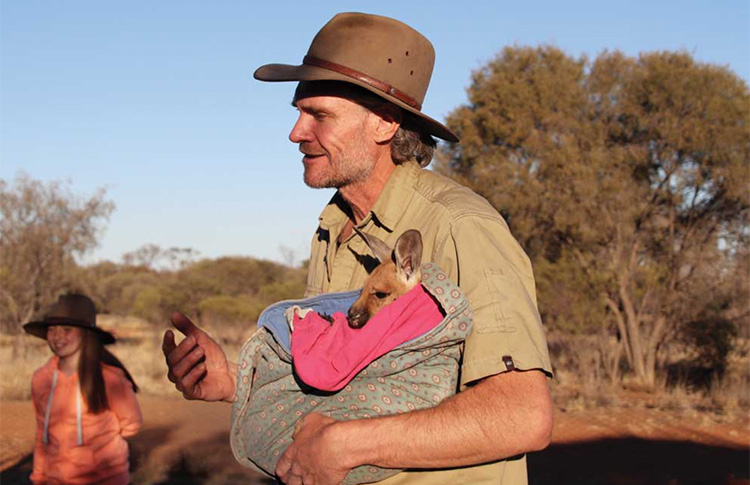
{"type": "Point", "coordinates": [721, 387]}
{"type": "Point", "coordinates": [584, 380]}
{"type": "Point", "coordinates": [670, 393]}
{"type": "Point", "coordinates": [229, 334]}
{"type": "Point", "coordinates": [581, 381]}
{"type": "Point", "coordinates": [20, 355]}
{"type": "Point", "coordinates": [730, 393]}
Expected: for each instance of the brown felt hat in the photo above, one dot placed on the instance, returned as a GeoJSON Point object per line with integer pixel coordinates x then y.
{"type": "Point", "coordinates": [73, 310]}
{"type": "Point", "coordinates": [380, 54]}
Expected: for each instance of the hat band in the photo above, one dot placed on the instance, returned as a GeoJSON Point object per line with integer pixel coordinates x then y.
{"type": "Point", "coordinates": [354, 74]}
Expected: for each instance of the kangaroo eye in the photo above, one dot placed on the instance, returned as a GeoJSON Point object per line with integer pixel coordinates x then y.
{"type": "Point", "coordinates": [381, 294]}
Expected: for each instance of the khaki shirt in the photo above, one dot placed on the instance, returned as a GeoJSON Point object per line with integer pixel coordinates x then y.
{"type": "Point", "coordinates": [471, 242]}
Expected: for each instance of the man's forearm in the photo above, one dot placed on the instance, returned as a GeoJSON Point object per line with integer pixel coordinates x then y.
{"type": "Point", "coordinates": [503, 416]}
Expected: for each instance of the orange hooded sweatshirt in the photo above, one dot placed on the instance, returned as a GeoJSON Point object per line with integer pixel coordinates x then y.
{"type": "Point", "coordinates": [74, 446]}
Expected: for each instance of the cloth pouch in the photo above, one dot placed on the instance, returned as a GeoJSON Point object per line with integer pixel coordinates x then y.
{"type": "Point", "coordinates": [415, 375]}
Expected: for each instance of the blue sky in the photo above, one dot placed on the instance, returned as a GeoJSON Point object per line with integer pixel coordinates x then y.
{"type": "Point", "coordinates": [155, 101]}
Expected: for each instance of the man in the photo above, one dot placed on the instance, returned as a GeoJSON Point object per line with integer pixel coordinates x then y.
{"type": "Point", "coordinates": [361, 131]}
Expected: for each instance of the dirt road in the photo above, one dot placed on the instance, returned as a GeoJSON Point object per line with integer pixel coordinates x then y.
{"type": "Point", "coordinates": [186, 442]}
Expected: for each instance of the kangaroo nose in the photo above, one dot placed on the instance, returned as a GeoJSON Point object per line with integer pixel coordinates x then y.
{"type": "Point", "coordinates": [358, 317]}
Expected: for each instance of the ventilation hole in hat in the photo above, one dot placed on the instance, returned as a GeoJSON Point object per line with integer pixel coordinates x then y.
{"type": "Point", "coordinates": [411, 73]}
{"type": "Point", "coordinates": [389, 60]}
{"type": "Point", "coordinates": [407, 53]}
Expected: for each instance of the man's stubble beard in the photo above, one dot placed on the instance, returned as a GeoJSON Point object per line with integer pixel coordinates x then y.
{"type": "Point", "coordinates": [351, 167]}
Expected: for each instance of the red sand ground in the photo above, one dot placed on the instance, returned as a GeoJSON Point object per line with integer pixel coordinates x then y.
{"type": "Point", "coordinates": [186, 442]}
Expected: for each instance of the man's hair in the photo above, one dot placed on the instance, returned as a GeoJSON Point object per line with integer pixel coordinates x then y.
{"type": "Point", "coordinates": [409, 143]}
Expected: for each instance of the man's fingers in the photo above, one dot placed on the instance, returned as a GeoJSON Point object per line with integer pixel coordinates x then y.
{"type": "Point", "coordinates": [179, 352]}
{"type": "Point", "coordinates": [295, 480]}
{"type": "Point", "coordinates": [167, 343]}
{"type": "Point", "coordinates": [185, 358]}
{"type": "Point", "coordinates": [189, 384]}
{"type": "Point", "coordinates": [298, 426]}
{"type": "Point", "coordinates": [183, 324]}
{"type": "Point", "coordinates": [283, 466]}
{"type": "Point", "coordinates": [180, 358]}
{"type": "Point", "coordinates": [168, 347]}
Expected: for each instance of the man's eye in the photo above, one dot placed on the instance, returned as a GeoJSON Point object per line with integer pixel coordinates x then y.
{"type": "Point", "coordinates": [381, 294]}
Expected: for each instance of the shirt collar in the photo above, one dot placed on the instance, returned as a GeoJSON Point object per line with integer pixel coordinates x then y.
{"type": "Point", "coordinates": [334, 213]}
{"type": "Point", "coordinates": [397, 194]}
{"type": "Point", "coordinates": [387, 210]}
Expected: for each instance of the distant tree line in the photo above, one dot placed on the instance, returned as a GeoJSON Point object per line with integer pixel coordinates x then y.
{"type": "Point", "coordinates": [222, 291]}
{"type": "Point", "coordinates": [45, 229]}
{"type": "Point", "coordinates": [625, 179]}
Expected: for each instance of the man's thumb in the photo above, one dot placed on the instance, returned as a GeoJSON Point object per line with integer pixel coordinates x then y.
{"type": "Point", "coordinates": [183, 324]}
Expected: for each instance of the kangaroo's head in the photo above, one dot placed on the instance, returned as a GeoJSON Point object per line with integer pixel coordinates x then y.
{"type": "Point", "coordinates": [398, 272]}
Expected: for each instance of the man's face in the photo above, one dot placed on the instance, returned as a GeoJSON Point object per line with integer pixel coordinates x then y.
{"type": "Point", "coordinates": [332, 134]}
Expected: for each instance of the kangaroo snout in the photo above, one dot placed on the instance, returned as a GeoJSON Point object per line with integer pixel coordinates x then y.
{"type": "Point", "coordinates": [358, 317]}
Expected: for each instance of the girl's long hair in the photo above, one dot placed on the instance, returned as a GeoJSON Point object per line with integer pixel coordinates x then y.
{"type": "Point", "coordinates": [93, 354]}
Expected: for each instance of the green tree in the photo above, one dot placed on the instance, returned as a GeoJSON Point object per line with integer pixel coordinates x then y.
{"type": "Point", "coordinates": [42, 231]}
{"type": "Point", "coordinates": [624, 178]}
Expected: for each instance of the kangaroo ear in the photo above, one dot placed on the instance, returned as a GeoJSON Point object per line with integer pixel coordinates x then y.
{"type": "Point", "coordinates": [380, 249]}
{"type": "Point", "coordinates": [408, 253]}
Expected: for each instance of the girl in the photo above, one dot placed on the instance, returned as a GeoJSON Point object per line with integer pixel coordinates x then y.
{"type": "Point", "coordinates": [84, 400]}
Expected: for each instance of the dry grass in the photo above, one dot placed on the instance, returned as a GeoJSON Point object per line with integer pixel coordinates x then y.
{"type": "Point", "coordinates": [20, 357]}
{"type": "Point", "coordinates": [581, 381]}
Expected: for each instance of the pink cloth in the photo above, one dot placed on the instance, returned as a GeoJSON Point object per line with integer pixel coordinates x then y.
{"type": "Point", "coordinates": [327, 355]}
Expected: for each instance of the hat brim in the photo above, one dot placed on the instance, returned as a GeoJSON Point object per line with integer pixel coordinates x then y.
{"type": "Point", "coordinates": [39, 328]}
{"type": "Point", "coordinates": [287, 72]}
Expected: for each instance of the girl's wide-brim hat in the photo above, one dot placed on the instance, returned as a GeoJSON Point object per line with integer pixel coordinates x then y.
{"type": "Point", "coordinates": [380, 54]}
{"type": "Point", "coordinates": [71, 310]}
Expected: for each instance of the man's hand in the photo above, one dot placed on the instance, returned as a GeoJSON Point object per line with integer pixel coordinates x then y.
{"type": "Point", "coordinates": [313, 458]}
{"type": "Point", "coordinates": [198, 366]}
{"type": "Point", "coordinates": [504, 415]}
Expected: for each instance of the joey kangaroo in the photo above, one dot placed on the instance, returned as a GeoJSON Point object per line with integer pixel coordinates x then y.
{"type": "Point", "coordinates": [398, 272]}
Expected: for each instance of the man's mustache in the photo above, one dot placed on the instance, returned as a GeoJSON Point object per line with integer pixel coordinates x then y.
{"type": "Point", "coordinates": [309, 150]}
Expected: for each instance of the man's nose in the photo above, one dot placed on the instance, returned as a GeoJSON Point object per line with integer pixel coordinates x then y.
{"type": "Point", "coordinates": [300, 131]}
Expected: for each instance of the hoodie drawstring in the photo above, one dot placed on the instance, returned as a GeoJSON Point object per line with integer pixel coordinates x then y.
{"type": "Point", "coordinates": [49, 407]}
{"type": "Point", "coordinates": [78, 415]}
{"type": "Point", "coordinates": [79, 425]}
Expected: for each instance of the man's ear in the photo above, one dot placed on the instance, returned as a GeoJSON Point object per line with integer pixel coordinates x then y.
{"type": "Point", "coordinates": [388, 121]}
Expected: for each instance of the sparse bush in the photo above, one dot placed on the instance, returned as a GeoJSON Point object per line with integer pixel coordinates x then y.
{"type": "Point", "coordinates": [711, 339]}
{"type": "Point", "coordinates": [147, 304]}
{"type": "Point", "coordinates": [282, 290]}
